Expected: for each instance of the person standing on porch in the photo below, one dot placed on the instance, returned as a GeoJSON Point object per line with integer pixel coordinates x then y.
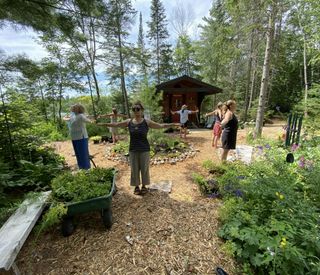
{"type": "Point", "coordinates": [184, 116]}
{"type": "Point", "coordinates": [230, 128]}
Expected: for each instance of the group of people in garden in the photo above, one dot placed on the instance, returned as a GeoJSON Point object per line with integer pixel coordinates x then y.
{"type": "Point", "coordinates": [225, 125]}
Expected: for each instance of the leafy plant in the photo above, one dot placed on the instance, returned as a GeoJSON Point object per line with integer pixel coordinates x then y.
{"type": "Point", "coordinates": [201, 181]}
{"type": "Point", "coordinates": [161, 144]}
{"type": "Point", "coordinates": [270, 214]}
{"type": "Point", "coordinates": [83, 185]}
{"type": "Point", "coordinates": [214, 168]}
{"type": "Point", "coordinates": [48, 131]}
{"type": "Point", "coordinates": [70, 188]}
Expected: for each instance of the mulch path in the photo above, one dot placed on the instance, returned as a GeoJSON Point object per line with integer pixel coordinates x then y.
{"type": "Point", "coordinates": [154, 234]}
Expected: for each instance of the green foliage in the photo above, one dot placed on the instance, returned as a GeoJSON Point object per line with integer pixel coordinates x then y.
{"type": "Point", "coordinates": [55, 215]}
{"type": "Point", "coordinates": [161, 145]}
{"type": "Point", "coordinates": [121, 147]}
{"type": "Point", "coordinates": [35, 170]}
{"type": "Point", "coordinates": [95, 130]}
{"type": "Point", "coordinates": [185, 57]}
{"type": "Point", "coordinates": [68, 187]}
{"type": "Point", "coordinates": [164, 145]}
{"type": "Point", "coordinates": [150, 100]}
{"type": "Point", "coordinates": [48, 131]}
{"type": "Point", "coordinates": [215, 168]}
{"type": "Point", "coordinates": [161, 53]}
{"type": "Point", "coordinates": [83, 185]}
{"type": "Point", "coordinates": [269, 217]}
{"type": "Point", "coordinates": [311, 123]}
{"type": "Point", "coordinates": [95, 138]}
{"type": "Point", "coordinates": [201, 181]}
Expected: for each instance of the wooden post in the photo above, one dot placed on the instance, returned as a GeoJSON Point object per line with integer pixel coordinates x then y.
{"type": "Point", "coordinates": [287, 143]}
{"type": "Point", "coordinates": [299, 128]}
{"type": "Point", "coordinates": [293, 130]}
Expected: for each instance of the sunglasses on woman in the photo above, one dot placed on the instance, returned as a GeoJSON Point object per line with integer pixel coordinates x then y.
{"type": "Point", "coordinates": [136, 109]}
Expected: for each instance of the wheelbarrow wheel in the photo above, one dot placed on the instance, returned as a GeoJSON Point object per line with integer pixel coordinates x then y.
{"type": "Point", "coordinates": [107, 217]}
{"type": "Point", "coordinates": [67, 227]}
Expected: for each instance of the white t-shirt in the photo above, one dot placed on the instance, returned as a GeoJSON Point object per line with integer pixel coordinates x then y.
{"type": "Point", "coordinates": [77, 126]}
{"type": "Point", "coordinates": [184, 115]}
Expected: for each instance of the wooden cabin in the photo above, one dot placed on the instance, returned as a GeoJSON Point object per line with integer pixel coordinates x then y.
{"type": "Point", "coordinates": [184, 90]}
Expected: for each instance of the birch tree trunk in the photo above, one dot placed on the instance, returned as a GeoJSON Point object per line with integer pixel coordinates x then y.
{"type": "Point", "coordinates": [44, 108]}
{"type": "Point", "coordinates": [253, 80]}
{"type": "Point", "coordinates": [91, 96]}
{"type": "Point", "coordinates": [249, 68]}
{"type": "Point", "coordinates": [123, 83]}
{"type": "Point", "coordinates": [265, 72]}
{"type": "Point", "coordinates": [305, 74]}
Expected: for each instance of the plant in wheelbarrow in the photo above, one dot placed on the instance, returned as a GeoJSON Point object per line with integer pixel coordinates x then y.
{"type": "Point", "coordinates": [82, 192]}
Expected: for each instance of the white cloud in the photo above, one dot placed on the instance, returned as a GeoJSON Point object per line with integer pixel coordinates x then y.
{"type": "Point", "coordinates": [23, 41]}
{"type": "Point", "coordinates": [200, 9]}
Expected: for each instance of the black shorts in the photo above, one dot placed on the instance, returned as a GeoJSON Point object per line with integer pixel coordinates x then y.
{"type": "Point", "coordinates": [184, 125]}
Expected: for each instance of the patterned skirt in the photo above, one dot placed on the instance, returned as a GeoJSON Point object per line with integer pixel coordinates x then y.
{"type": "Point", "coordinates": [217, 129]}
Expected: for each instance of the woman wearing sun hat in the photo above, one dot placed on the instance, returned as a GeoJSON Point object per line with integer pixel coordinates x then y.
{"type": "Point", "coordinates": [184, 116]}
{"type": "Point", "coordinates": [79, 136]}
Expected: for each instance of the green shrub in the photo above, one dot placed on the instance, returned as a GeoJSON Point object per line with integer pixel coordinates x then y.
{"type": "Point", "coordinates": [83, 185]}
{"type": "Point", "coordinates": [215, 168]}
{"type": "Point", "coordinates": [121, 147]}
{"type": "Point", "coordinates": [161, 144]}
{"type": "Point", "coordinates": [95, 130]}
{"type": "Point", "coordinates": [68, 187]}
{"type": "Point", "coordinates": [48, 131]}
{"type": "Point", "coordinates": [201, 181]}
{"type": "Point", "coordinates": [270, 216]}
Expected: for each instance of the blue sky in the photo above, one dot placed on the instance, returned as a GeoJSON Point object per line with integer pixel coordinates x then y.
{"type": "Point", "coordinates": [23, 41]}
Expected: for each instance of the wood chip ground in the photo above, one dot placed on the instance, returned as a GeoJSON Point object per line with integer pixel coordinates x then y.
{"type": "Point", "coordinates": [159, 233]}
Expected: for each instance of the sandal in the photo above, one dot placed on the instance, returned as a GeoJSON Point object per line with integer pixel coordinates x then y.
{"type": "Point", "coordinates": [136, 190]}
{"type": "Point", "coordinates": [144, 190]}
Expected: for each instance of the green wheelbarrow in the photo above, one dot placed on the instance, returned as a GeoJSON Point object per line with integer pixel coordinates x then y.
{"type": "Point", "coordinates": [101, 204]}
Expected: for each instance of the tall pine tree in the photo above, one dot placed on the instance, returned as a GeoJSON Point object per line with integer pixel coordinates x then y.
{"type": "Point", "coordinates": [158, 35]}
{"type": "Point", "coordinates": [118, 23]}
{"type": "Point", "coordinates": [142, 56]}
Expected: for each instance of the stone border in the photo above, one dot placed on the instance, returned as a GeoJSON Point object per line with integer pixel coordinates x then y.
{"type": "Point", "coordinates": [189, 153]}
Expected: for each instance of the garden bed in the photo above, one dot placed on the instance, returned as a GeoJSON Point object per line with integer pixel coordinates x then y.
{"type": "Point", "coordinates": [269, 218]}
{"type": "Point", "coordinates": [164, 148]}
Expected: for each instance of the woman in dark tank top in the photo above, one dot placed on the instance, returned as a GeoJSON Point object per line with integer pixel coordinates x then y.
{"type": "Point", "coordinates": [230, 128]}
{"type": "Point", "coordinates": [138, 136]}
{"type": "Point", "coordinates": [139, 148]}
